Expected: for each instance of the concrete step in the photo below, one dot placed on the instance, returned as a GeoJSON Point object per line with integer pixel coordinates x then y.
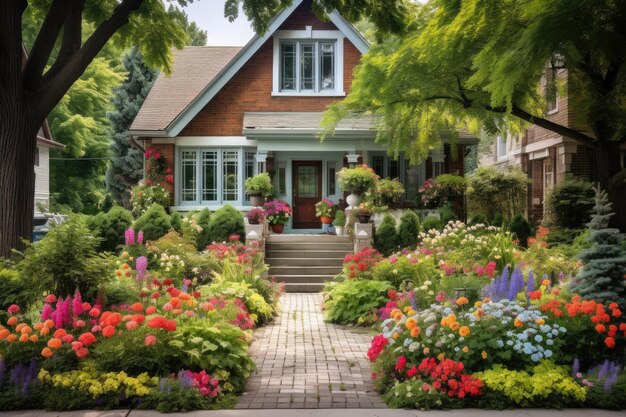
{"type": "Point", "coordinates": [304, 261]}
{"type": "Point", "coordinates": [295, 279]}
{"type": "Point", "coordinates": [338, 246]}
{"type": "Point", "coordinates": [308, 254]}
{"type": "Point", "coordinates": [304, 270]}
{"type": "Point", "coordinates": [304, 287]}
{"type": "Point", "coordinates": [297, 238]}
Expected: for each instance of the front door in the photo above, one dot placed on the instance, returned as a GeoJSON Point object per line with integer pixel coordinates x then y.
{"type": "Point", "coordinates": [307, 190]}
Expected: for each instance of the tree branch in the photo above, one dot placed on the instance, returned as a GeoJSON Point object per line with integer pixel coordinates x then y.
{"type": "Point", "coordinates": [551, 126]}
{"type": "Point", "coordinates": [59, 82]}
{"type": "Point", "coordinates": [11, 53]}
{"type": "Point", "coordinates": [44, 44]}
{"type": "Point", "coordinates": [72, 30]}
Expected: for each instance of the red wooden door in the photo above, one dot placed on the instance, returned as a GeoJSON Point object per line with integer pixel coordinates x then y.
{"type": "Point", "coordinates": [307, 190]}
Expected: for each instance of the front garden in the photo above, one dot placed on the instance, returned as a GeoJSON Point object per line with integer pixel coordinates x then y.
{"type": "Point", "coordinates": [143, 312]}
{"type": "Point", "coordinates": [469, 315]}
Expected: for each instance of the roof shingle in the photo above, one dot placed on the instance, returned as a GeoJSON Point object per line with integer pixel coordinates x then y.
{"type": "Point", "coordinates": [194, 68]}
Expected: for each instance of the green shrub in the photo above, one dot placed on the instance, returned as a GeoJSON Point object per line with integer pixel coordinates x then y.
{"type": "Point", "coordinates": [12, 290]}
{"type": "Point", "coordinates": [520, 227]}
{"type": "Point", "coordinates": [478, 219]}
{"type": "Point", "coordinates": [447, 214]}
{"type": "Point", "coordinates": [408, 229]}
{"type": "Point", "coordinates": [564, 236]}
{"type": "Point", "coordinates": [569, 204]}
{"type": "Point", "coordinates": [225, 222]}
{"type": "Point", "coordinates": [346, 302]}
{"type": "Point", "coordinates": [386, 237]}
{"type": "Point", "coordinates": [497, 220]}
{"type": "Point", "coordinates": [203, 219]}
{"type": "Point", "coordinates": [111, 230]}
{"type": "Point", "coordinates": [494, 191]}
{"type": "Point", "coordinates": [143, 196]}
{"type": "Point", "coordinates": [154, 223]}
{"type": "Point", "coordinates": [340, 219]}
{"type": "Point", "coordinates": [176, 221]}
{"type": "Point", "coordinates": [431, 222]}
{"type": "Point", "coordinates": [451, 185]}
{"type": "Point", "coordinates": [66, 259]}
{"type": "Point", "coordinates": [401, 270]}
{"type": "Point", "coordinates": [259, 185]}
{"type": "Point", "coordinates": [386, 193]}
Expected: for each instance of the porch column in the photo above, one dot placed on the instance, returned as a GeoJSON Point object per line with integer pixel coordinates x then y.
{"type": "Point", "coordinates": [353, 159]}
{"type": "Point", "coordinates": [261, 159]}
{"type": "Point", "coordinates": [438, 157]}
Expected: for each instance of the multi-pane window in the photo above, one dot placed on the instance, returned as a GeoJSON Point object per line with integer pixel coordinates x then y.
{"type": "Point", "coordinates": [501, 147]}
{"type": "Point", "coordinates": [307, 66]}
{"type": "Point", "coordinates": [213, 175]}
{"type": "Point", "coordinates": [387, 167]}
{"type": "Point", "coordinates": [332, 178]}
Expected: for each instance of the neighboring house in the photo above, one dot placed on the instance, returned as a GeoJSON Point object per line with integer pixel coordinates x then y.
{"type": "Point", "coordinates": [42, 167]}
{"type": "Point", "coordinates": [546, 157]}
{"type": "Point", "coordinates": [227, 113]}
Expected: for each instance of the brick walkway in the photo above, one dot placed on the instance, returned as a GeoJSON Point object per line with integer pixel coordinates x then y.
{"type": "Point", "coordinates": [303, 362]}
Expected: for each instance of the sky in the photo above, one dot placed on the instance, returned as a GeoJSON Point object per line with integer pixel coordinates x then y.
{"type": "Point", "coordinates": [209, 16]}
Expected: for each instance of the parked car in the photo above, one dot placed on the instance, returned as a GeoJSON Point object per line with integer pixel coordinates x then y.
{"type": "Point", "coordinates": [42, 223]}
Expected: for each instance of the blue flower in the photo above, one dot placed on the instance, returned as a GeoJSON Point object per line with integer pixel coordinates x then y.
{"type": "Point", "coordinates": [549, 342]}
{"type": "Point", "coordinates": [456, 349]}
{"type": "Point", "coordinates": [509, 342]}
{"type": "Point", "coordinates": [535, 357]}
{"type": "Point", "coordinates": [548, 353]}
{"type": "Point", "coordinates": [500, 343]}
{"type": "Point", "coordinates": [538, 338]}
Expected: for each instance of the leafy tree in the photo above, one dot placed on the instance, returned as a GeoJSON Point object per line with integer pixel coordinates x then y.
{"type": "Point", "coordinates": [30, 90]}
{"type": "Point", "coordinates": [477, 65]}
{"type": "Point", "coordinates": [602, 276]}
{"type": "Point", "coordinates": [495, 192]}
{"type": "Point", "coordinates": [195, 35]}
{"type": "Point", "coordinates": [569, 204]}
{"type": "Point", "coordinates": [126, 168]}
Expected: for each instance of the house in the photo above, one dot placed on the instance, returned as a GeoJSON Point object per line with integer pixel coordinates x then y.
{"type": "Point", "coordinates": [45, 142]}
{"type": "Point", "coordinates": [546, 157]}
{"type": "Point", "coordinates": [227, 113]}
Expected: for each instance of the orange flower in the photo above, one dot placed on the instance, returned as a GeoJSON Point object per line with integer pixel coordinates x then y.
{"type": "Point", "coordinates": [12, 320]}
{"type": "Point", "coordinates": [24, 338]}
{"type": "Point", "coordinates": [34, 338]}
{"type": "Point", "coordinates": [11, 338]}
{"type": "Point", "coordinates": [518, 323]}
{"type": "Point", "coordinates": [48, 323]}
{"type": "Point", "coordinates": [483, 354]}
{"type": "Point", "coordinates": [4, 333]}
{"type": "Point", "coordinates": [59, 333]}
{"type": "Point", "coordinates": [464, 331]}
{"type": "Point", "coordinates": [540, 321]}
{"type": "Point", "coordinates": [610, 342]}
{"type": "Point", "coordinates": [441, 357]}
{"type": "Point", "coordinates": [465, 349]}
{"type": "Point", "coordinates": [415, 331]}
{"type": "Point", "coordinates": [176, 302]}
{"type": "Point", "coordinates": [19, 327]}
{"type": "Point", "coordinates": [600, 328]}
{"type": "Point", "coordinates": [462, 301]}
{"type": "Point", "coordinates": [46, 352]}
{"type": "Point", "coordinates": [38, 326]}
{"type": "Point", "coordinates": [398, 316]}
{"type": "Point", "coordinates": [411, 323]}
{"type": "Point", "coordinates": [44, 331]}
{"type": "Point", "coordinates": [617, 313]}
{"type": "Point", "coordinates": [454, 326]}
{"type": "Point", "coordinates": [54, 343]}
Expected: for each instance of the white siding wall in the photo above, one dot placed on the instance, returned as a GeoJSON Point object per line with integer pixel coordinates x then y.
{"type": "Point", "coordinates": [42, 178]}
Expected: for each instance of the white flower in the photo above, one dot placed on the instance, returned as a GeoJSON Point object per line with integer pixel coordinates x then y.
{"type": "Point", "coordinates": [395, 271]}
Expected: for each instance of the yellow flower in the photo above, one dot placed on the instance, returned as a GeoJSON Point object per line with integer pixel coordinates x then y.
{"type": "Point", "coordinates": [465, 349]}
{"type": "Point", "coordinates": [518, 323]}
{"type": "Point", "coordinates": [478, 304]}
{"type": "Point", "coordinates": [395, 335]}
{"type": "Point", "coordinates": [483, 354]}
{"type": "Point", "coordinates": [441, 357]}
{"type": "Point", "coordinates": [540, 321]}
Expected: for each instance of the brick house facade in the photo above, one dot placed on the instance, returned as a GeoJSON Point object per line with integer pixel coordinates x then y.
{"type": "Point", "coordinates": [228, 113]}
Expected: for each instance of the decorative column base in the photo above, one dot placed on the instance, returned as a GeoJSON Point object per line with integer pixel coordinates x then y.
{"type": "Point", "coordinates": [363, 236]}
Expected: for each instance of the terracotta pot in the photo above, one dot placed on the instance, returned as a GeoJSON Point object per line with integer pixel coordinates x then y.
{"type": "Point", "coordinates": [326, 219]}
{"type": "Point", "coordinates": [278, 227]}
{"type": "Point", "coordinates": [257, 200]}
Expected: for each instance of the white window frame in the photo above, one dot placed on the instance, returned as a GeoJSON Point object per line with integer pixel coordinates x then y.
{"type": "Point", "coordinates": [548, 176]}
{"type": "Point", "coordinates": [386, 159]}
{"type": "Point", "coordinates": [502, 141]}
{"type": "Point", "coordinates": [556, 97]}
{"type": "Point", "coordinates": [242, 200]}
{"type": "Point", "coordinates": [308, 36]}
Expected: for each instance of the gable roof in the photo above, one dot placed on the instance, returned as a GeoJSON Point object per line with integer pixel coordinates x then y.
{"type": "Point", "coordinates": [194, 68]}
{"type": "Point", "coordinates": [164, 117]}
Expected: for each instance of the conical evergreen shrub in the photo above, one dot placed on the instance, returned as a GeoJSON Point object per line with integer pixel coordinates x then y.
{"type": "Point", "coordinates": [409, 229]}
{"type": "Point", "coordinates": [602, 276]}
{"type": "Point", "coordinates": [386, 237]}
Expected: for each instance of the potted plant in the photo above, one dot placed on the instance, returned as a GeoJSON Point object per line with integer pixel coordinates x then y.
{"type": "Point", "coordinates": [259, 187]}
{"type": "Point", "coordinates": [386, 192]}
{"type": "Point", "coordinates": [339, 222]}
{"type": "Point", "coordinates": [356, 181]}
{"type": "Point", "coordinates": [256, 215]}
{"type": "Point", "coordinates": [431, 194]}
{"type": "Point", "coordinates": [278, 213]}
{"type": "Point", "coordinates": [364, 212]}
{"type": "Point", "coordinates": [325, 210]}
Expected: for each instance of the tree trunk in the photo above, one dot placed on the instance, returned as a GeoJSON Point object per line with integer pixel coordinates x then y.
{"type": "Point", "coordinates": [18, 140]}
{"type": "Point", "coordinates": [612, 179]}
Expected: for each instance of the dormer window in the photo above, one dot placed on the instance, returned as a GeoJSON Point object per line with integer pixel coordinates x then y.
{"type": "Point", "coordinates": [308, 62]}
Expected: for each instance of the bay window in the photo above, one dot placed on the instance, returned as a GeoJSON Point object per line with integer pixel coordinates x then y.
{"type": "Point", "coordinates": [213, 176]}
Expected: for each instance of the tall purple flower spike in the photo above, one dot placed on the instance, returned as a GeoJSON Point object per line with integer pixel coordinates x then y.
{"type": "Point", "coordinates": [141, 265]}
{"type": "Point", "coordinates": [516, 284]}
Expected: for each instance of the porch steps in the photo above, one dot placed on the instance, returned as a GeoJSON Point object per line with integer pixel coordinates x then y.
{"type": "Point", "coordinates": [305, 262]}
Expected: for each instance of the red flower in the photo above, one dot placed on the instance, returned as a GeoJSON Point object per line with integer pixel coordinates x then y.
{"type": "Point", "coordinates": [13, 309]}
{"type": "Point", "coordinates": [378, 345]}
{"type": "Point", "coordinates": [610, 342]}
{"type": "Point", "coordinates": [170, 325]}
{"type": "Point", "coordinates": [400, 363]}
{"type": "Point", "coordinates": [87, 339]}
{"type": "Point", "coordinates": [600, 328]}
{"type": "Point", "coordinates": [108, 331]}
{"type": "Point", "coordinates": [136, 307]}
{"type": "Point", "coordinates": [50, 298]}
{"type": "Point", "coordinates": [412, 372]}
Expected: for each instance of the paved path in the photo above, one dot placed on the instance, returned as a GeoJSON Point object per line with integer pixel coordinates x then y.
{"type": "Point", "coordinates": [303, 362]}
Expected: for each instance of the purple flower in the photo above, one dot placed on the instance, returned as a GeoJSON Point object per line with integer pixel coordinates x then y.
{"type": "Point", "coordinates": [130, 236]}
{"type": "Point", "coordinates": [140, 237]}
{"type": "Point", "coordinates": [530, 287]}
{"type": "Point", "coordinates": [141, 265]}
{"type": "Point", "coordinates": [576, 367]}
{"type": "Point", "coordinates": [516, 285]}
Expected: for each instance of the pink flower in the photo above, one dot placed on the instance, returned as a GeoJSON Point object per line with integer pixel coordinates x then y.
{"type": "Point", "coordinates": [77, 304]}
{"type": "Point", "coordinates": [79, 323]}
{"type": "Point", "coordinates": [441, 296]}
{"type": "Point", "coordinates": [150, 340]}
{"type": "Point", "coordinates": [141, 265]}
{"type": "Point", "coordinates": [50, 298]}
{"type": "Point", "coordinates": [140, 237]}
{"type": "Point", "coordinates": [130, 236]}
{"type": "Point", "coordinates": [46, 312]}
{"type": "Point", "coordinates": [13, 309]}
{"type": "Point", "coordinates": [131, 325]}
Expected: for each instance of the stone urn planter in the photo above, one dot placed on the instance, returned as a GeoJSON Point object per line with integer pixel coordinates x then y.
{"type": "Point", "coordinates": [353, 200]}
